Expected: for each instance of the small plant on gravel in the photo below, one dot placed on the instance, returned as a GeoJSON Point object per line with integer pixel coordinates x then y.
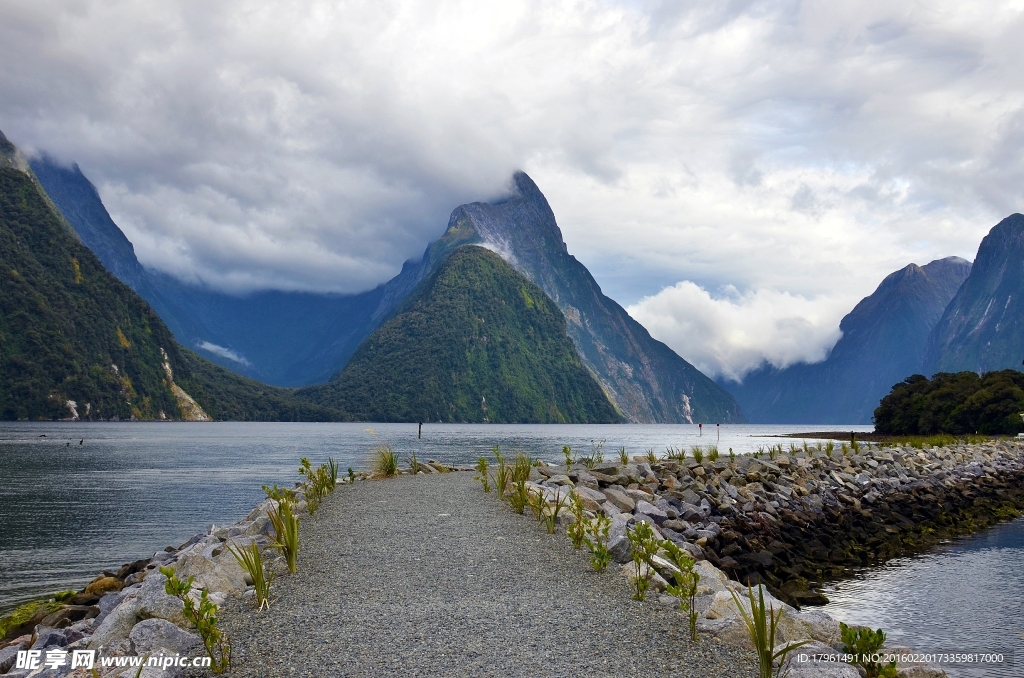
{"type": "Point", "coordinates": [552, 511]}
{"type": "Point", "coordinates": [519, 494]}
{"type": "Point", "coordinates": [793, 449]}
{"type": "Point", "coordinates": [502, 474]}
{"type": "Point", "coordinates": [203, 618]}
{"type": "Point", "coordinates": [521, 468]}
{"type": "Point", "coordinates": [623, 456]}
{"type": "Point", "coordinates": [310, 488]}
{"type": "Point", "coordinates": [642, 545]}
{"type": "Point", "coordinates": [855, 446]}
{"type": "Point", "coordinates": [698, 453]}
{"type": "Point", "coordinates": [863, 644]}
{"type": "Point", "coordinates": [685, 588]}
{"type": "Point", "coordinates": [569, 459]}
{"type": "Point", "coordinates": [732, 456]}
{"type": "Point", "coordinates": [414, 463]}
{"type": "Point", "coordinates": [830, 448]}
{"type": "Point", "coordinates": [537, 504]}
{"type": "Point", "coordinates": [577, 532]}
{"type": "Point", "coordinates": [351, 475]}
{"type": "Point", "coordinates": [761, 625]}
{"type": "Point", "coordinates": [286, 532]}
{"type": "Point", "coordinates": [844, 449]}
{"type": "Point", "coordinates": [596, 539]}
{"type": "Point", "coordinates": [651, 456]}
{"type": "Point", "coordinates": [385, 462]}
{"type": "Point", "coordinates": [482, 475]}
{"type": "Point", "coordinates": [251, 560]}
{"type": "Point", "coordinates": [332, 467]}
{"type": "Point", "coordinates": [713, 453]}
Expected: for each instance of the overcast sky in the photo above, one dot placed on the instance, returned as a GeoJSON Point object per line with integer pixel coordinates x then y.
{"type": "Point", "coordinates": [738, 174]}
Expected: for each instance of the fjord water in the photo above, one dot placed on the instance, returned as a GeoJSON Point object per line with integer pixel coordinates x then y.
{"type": "Point", "coordinates": [965, 596]}
{"type": "Point", "coordinates": [70, 510]}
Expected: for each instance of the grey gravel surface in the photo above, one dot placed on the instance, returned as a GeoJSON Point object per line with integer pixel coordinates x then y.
{"type": "Point", "coordinates": [429, 576]}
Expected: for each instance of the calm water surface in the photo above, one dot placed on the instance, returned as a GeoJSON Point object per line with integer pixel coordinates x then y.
{"type": "Point", "coordinates": [70, 510]}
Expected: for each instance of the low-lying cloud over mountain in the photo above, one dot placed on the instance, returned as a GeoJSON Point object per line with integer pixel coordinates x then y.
{"type": "Point", "coordinates": [798, 151]}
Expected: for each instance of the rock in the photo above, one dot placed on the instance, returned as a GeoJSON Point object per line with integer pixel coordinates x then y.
{"type": "Point", "coordinates": [102, 585]}
{"type": "Point", "coordinates": [619, 548]}
{"type": "Point", "coordinates": [153, 602]}
{"type": "Point", "coordinates": [116, 625]}
{"type": "Point", "coordinates": [619, 499]}
{"type": "Point", "coordinates": [561, 480]}
{"type": "Point", "coordinates": [152, 634]}
{"type": "Point", "coordinates": [47, 637]}
{"type": "Point", "coordinates": [592, 499]}
{"type": "Point", "coordinates": [651, 510]}
{"type": "Point", "coordinates": [585, 479]}
{"type": "Point", "coordinates": [9, 654]}
{"type": "Point", "coordinates": [222, 573]}
{"type": "Point", "coordinates": [658, 582]}
{"type": "Point", "coordinates": [84, 599]}
{"type": "Point", "coordinates": [109, 602]}
{"type": "Point", "coordinates": [68, 615]}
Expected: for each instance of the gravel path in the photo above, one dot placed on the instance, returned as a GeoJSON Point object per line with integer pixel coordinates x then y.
{"type": "Point", "coordinates": [429, 576]}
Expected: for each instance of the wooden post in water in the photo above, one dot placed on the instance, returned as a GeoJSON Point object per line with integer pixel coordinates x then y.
{"type": "Point", "coordinates": [419, 434]}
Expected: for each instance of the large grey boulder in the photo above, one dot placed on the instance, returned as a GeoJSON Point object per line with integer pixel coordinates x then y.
{"type": "Point", "coordinates": [153, 634]}
{"type": "Point", "coordinates": [153, 601]}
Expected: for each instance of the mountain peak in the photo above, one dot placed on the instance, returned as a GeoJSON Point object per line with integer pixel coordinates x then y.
{"type": "Point", "coordinates": [11, 157]}
{"type": "Point", "coordinates": [982, 328]}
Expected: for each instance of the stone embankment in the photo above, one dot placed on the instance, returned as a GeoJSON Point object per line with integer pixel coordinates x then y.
{"type": "Point", "coordinates": [797, 520]}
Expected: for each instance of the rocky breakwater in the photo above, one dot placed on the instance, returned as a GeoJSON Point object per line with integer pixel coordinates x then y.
{"type": "Point", "coordinates": [128, 612]}
{"type": "Point", "coordinates": [797, 520]}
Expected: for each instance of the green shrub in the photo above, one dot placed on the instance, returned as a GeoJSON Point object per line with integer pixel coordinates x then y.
{"type": "Point", "coordinates": [578, 530]}
{"type": "Point", "coordinates": [623, 456]}
{"type": "Point", "coordinates": [203, 618]}
{"type": "Point", "coordinates": [643, 545]}
{"type": "Point", "coordinates": [332, 467]}
{"type": "Point", "coordinates": [569, 459]}
{"type": "Point", "coordinates": [862, 643]}
{"type": "Point", "coordinates": [482, 474]}
{"type": "Point", "coordinates": [698, 453]}
{"type": "Point", "coordinates": [685, 587]}
{"type": "Point", "coordinates": [596, 540]}
{"type": "Point", "coordinates": [713, 453]}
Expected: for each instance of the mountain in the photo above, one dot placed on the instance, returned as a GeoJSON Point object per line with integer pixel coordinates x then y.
{"type": "Point", "coordinates": [474, 342]}
{"type": "Point", "coordinates": [884, 340]}
{"type": "Point", "coordinates": [75, 342]}
{"type": "Point", "coordinates": [298, 339]}
{"type": "Point", "coordinates": [283, 338]}
{"type": "Point", "coordinates": [982, 329]}
{"type": "Point", "coordinates": [645, 379]}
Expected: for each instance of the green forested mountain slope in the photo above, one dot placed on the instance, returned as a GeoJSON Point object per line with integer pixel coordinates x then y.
{"type": "Point", "coordinates": [476, 342]}
{"type": "Point", "coordinates": [75, 342]}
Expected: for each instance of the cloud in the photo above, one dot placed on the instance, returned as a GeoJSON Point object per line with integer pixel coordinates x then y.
{"type": "Point", "coordinates": [223, 352]}
{"type": "Point", "coordinates": [729, 335]}
{"type": "Point", "coordinates": [809, 147]}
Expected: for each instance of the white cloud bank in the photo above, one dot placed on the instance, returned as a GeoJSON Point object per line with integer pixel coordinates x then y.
{"type": "Point", "coordinates": [734, 333]}
{"type": "Point", "coordinates": [810, 147]}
